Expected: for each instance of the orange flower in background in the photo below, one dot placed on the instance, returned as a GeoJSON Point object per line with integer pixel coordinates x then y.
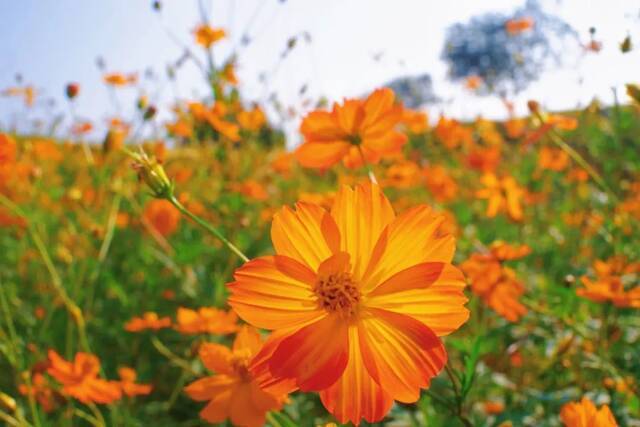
{"type": "Point", "coordinates": [27, 93]}
{"type": "Point", "coordinates": [232, 392]}
{"type": "Point", "coordinates": [8, 149]}
{"type": "Point", "coordinates": [120, 79]}
{"type": "Point", "coordinates": [162, 215]}
{"type": "Point", "coordinates": [180, 128]}
{"type": "Point", "coordinates": [324, 200]}
{"type": "Point", "coordinates": [585, 414]}
{"type": "Point", "coordinates": [369, 125]}
{"type": "Point", "coordinates": [252, 120]}
{"type": "Point", "coordinates": [484, 159]}
{"type": "Point", "coordinates": [207, 36]}
{"type": "Point", "coordinates": [553, 159]}
{"type": "Point", "coordinates": [149, 320]}
{"type": "Point", "coordinates": [128, 383]}
{"type": "Point", "coordinates": [503, 194]}
{"type": "Point", "coordinates": [228, 73]}
{"type": "Point", "coordinates": [493, 407]}
{"type": "Point", "coordinates": [116, 135]}
{"type": "Point", "coordinates": [515, 128]}
{"type": "Point", "coordinates": [611, 284]}
{"type": "Point", "coordinates": [441, 185]}
{"type": "Point", "coordinates": [473, 82]}
{"type": "Point", "coordinates": [41, 390]}
{"type": "Point", "coordinates": [206, 320]}
{"type": "Point", "coordinates": [357, 298]}
{"type": "Point", "coordinates": [496, 284]}
{"type": "Point", "coordinates": [79, 379]}
{"type": "Point", "coordinates": [452, 134]}
{"type": "Point", "coordinates": [283, 163]}
{"type": "Point", "coordinates": [519, 25]}
{"type": "Point", "coordinates": [416, 122]}
{"type": "Point", "coordinates": [251, 189]}
{"type": "Point", "coordinates": [562, 122]}
{"type": "Point", "coordinates": [81, 128]}
{"type": "Point", "coordinates": [404, 174]}
{"type": "Point", "coordinates": [215, 117]}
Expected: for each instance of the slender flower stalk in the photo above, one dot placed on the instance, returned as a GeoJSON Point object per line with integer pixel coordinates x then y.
{"type": "Point", "coordinates": [372, 176]}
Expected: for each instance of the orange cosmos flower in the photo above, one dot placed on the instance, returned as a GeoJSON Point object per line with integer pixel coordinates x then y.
{"type": "Point", "coordinates": [206, 320]}
{"type": "Point", "coordinates": [149, 320]}
{"type": "Point", "coordinates": [496, 284]}
{"type": "Point", "coordinates": [233, 392]}
{"type": "Point", "coordinates": [180, 128]}
{"type": "Point", "coordinates": [440, 183]}
{"type": "Point", "coordinates": [252, 120]}
{"type": "Point", "coordinates": [473, 82]}
{"type": "Point", "coordinates": [120, 79]}
{"type": "Point", "coordinates": [206, 36]}
{"type": "Point", "coordinates": [80, 378]}
{"type": "Point", "coordinates": [519, 25]}
{"type": "Point", "coordinates": [610, 283]}
{"type": "Point", "coordinates": [553, 159]}
{"type": "Point", "coordinates": [515, 128]}
{"type": "Point", "coordinates": [128, 383]}
{"type": "Point", "coordinates": [162, 215]}
{"type": "Point", "coordinates": [41, 390]}
{"type": "Point", "coordinates": [585, 414]}
{"type": "Point", "coordinates": [484, 159]}
{"type": "Point", "coordinates": [562, 122]}
{"type": "Point", "coordinates": [228, 73]}
{"type": "Point", "coordinates": [416, 122]}
{"type": "Point", "coordinates": [452, 134]}
{"type": "Point", "coordinates": [337, 135]}
{"type": "Point", "coordinates": [215, 117]}
{"type": "Point", "coordinates": [82, 128]}
{"type": "Point", "coordinates": [357, 298]}
{"type": "Point", "coordinates": [283, 163]}
{"type": "Point", "coordinates": [503, 194]}
{"type": "Point", "coordinates": [404, 174]}
{"type": "Point", "coordinates": [492, 407]}
{"type": "Point", "coordinates": [27, 93]}
{"type": "Point", "coordinates": [251, 189]}
{"type": "Point", "coordinates": [8, 149]}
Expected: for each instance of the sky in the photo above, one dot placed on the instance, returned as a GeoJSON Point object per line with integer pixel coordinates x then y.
{"type": "Point", "coordinates": [50, 43]}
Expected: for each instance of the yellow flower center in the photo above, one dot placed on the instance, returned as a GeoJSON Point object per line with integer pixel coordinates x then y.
{"type": "Point", "coordinates": [337, 292]}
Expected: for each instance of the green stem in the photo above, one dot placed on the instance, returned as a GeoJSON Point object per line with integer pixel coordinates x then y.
{"type": "Point", "coordinates": [557, 139]}
{"type": "Point", "coordinates": [162, 349]}
{"type": "Point", "coordinates": [208, 227]}
{"type": "Point", "coordinates": [372, 176]}
{"type": "Point", "coordinates": [56, 280]}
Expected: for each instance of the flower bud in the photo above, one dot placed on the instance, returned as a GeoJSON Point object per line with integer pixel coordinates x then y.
{"type": "Point", "coordinates": [72, 90]}
{"type": "Point", "coordinates": [150, 113]}
{"type": "Point", "coordinates": [150, 171]}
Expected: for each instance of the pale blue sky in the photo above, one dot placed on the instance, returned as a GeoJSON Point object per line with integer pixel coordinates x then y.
{"type": "Point", "coordinates": [53, 42]}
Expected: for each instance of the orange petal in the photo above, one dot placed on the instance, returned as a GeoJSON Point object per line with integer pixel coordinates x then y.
{"type": "Point", "coordinates": [309, 234]}
{"type": "Point", "coordinates": [437, 302]}
{"type": "Point", "coordinates": [361, 214]}
{"type": "Point", "coordinates": [321, 155]}
{"type": "Point", "coordinates": [259, 367]}
{"type": "Point", "coordinates": [241, 410]}
{"type": "Point", "coordinates": [247, 338]}
{"type": "Point", "coordinates": [209, 387]}
{"type": "Point", "coordinates": [349, 115]}
{"type": "Point", "coordinates": [376, 106]}
{"type": "Point", "coordinates": [400, 353]}
{"type": "Point", "coordinates": [315, 356]}
{"type": "Point", "coordinates": [321, 126]}
{"type": "Point", "coordinates": [386, 143]}
{"type": "Point", "coordinates": [274, 292]}
{"type": "Point", "coordinates": [216, 358]}
{"type": "Point", "coordinates": [356, 395]}
{"type": "Point", "coordinates": [217, 410]}
{"type": "Point", "coordinates": [409, 240]}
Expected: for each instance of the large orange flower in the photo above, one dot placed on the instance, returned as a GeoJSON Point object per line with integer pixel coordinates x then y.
{"type": "Point", "coordinates": [233, 392]}
{"type": "Point", "coordinates": [585, 414]}
{"type": "Point", "coordinates": [357, 299]}
{"type": "Point", "coordinates": [338, 135]}
{"type": "Point", "coordinates": [80, 378]}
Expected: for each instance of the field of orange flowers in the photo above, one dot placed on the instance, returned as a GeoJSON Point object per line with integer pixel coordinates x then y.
{"type": "Point", "coordinates": [390, 270]}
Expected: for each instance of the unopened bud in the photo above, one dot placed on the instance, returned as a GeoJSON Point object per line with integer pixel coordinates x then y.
{"type": "Point", "coordinates": [150, 171]}
{"type": "Point", "coordinates": [72, 90]}
{"type": "Point", "coordinates": [534, 106]}
{"type": "Point", "coordinates": [150, 113]}
{"type": "Point", "coordinates": [633, 91]}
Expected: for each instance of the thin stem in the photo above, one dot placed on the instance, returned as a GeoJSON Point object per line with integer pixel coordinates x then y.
{"type": "Point", "coordinates": [8, 419]}
{"type": "Point", "coordinates": [162, 349]}
{"type": "Point", "coordinates": [56, 280]}
{"type": "Point", "coordinates": [557, 139]}
{"type": "Point", "coordinates": [366, 164]}
{"type": "Point", "coordinates": [13, 336]}
{"type": "Point", "coordinates": [32, 401]}
{"type": "Point", "coordinates": [209, 228]}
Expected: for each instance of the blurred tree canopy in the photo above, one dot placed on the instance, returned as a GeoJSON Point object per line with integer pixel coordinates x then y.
{"type": "Point", "coordinates": [507, 62]}
{"type": "Point", "coordinates": [414, 91]}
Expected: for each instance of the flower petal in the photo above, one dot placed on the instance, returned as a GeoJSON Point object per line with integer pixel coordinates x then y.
{"type": "Point", "coordinates": [242, 412]}
{"type": "Point", "coordinates": [321, 126]}
{"type": "Point", "coordinates": [361, 214]}
{"type": "Point", "coordinates": [309, 234]}
{"type": "Point", "coordinates": [315, 355]}
{"type": "Point", "coordinates": [216, 358]}
{"type": "Point", "coordinates": [400, 353]}
{"type": "Point", "coordinates": [356, 395]}
{"type": "Point", "coordinates": [209, 387]}
{"type": "Point", "coordinates": [274, 292]}
{"type": "Point", "coordinates": [407, 241]}
{"type": "Point", "coordinates": [217, 410]}
{"type": "Point", "coordinates": [321, 155]}
{"type": "Point", "coordinates": [349, 115]}
{"type": "Point", "coordinates": [431, 293]}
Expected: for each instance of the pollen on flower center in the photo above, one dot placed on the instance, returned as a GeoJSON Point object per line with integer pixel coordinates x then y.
{"type": "Point", "coordinates": [337, 292]}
